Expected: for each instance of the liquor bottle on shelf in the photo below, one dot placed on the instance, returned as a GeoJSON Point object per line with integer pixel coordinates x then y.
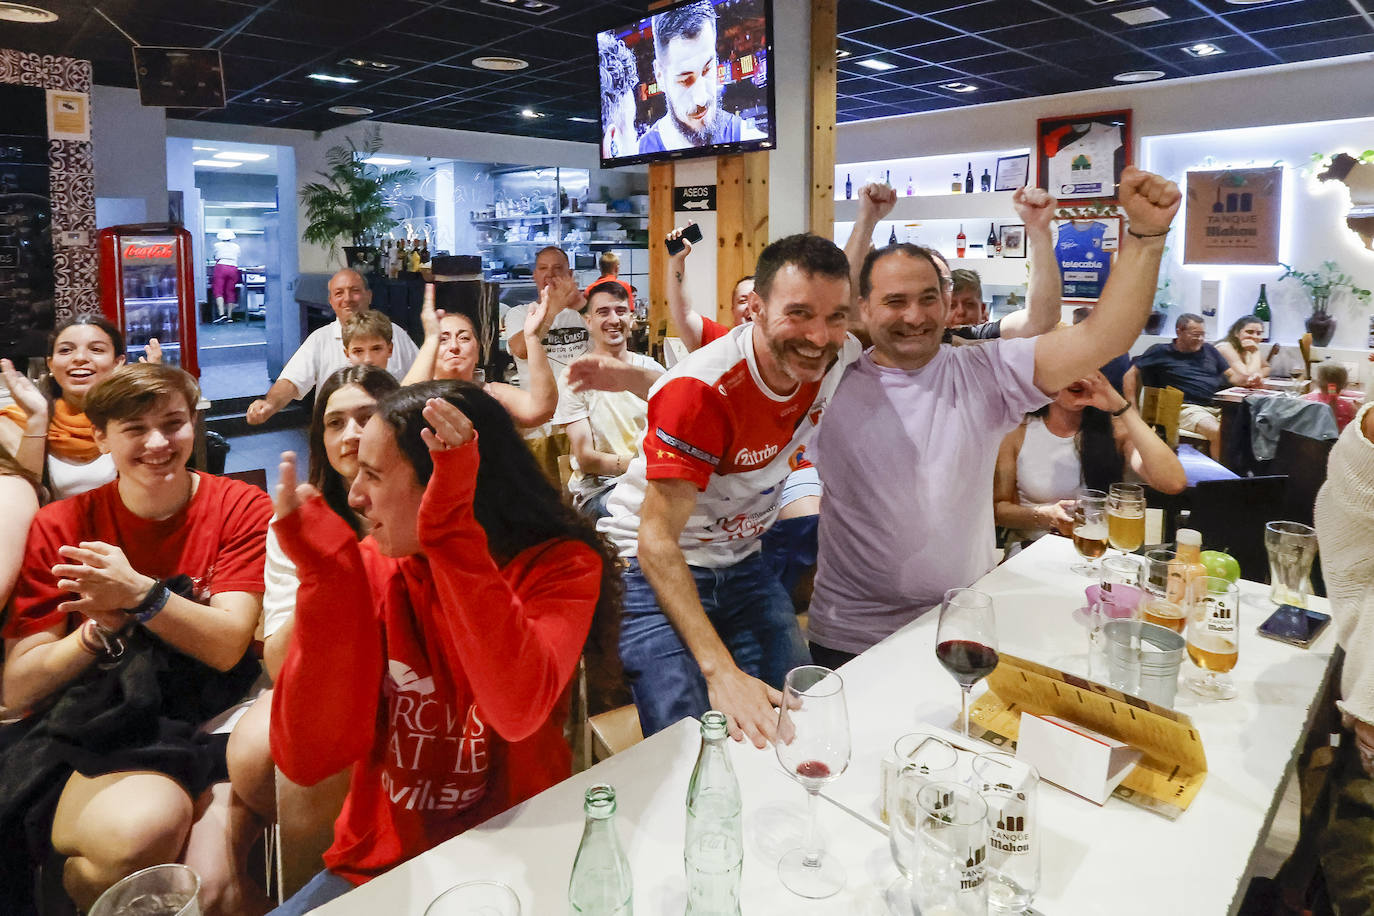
{"type": "Point", "coordinates": [848, 188]}
{"type": "Point", "coordinates": [887, 177]}
{"type": "Point", "coordinates": [600, 882]}
{"type": "Point", "coordinates": [910, 186]}
{"type": "Point", "coordinates": [968, 179]}
{"type": "Point", "coordinates": [1262, 310]}
{"type": "Point", "coordinates": [955, 185]}
{"type": "Point", "coordinates": [714, 850]}
{"type": "Point", "coordinates": [994, 247]}
{"type": "Point", "coordinates": [960, 243]}
{"type": "Point", "coordinates": [985, 183]}
{"type": "Point", "coordinates": [892, 239]}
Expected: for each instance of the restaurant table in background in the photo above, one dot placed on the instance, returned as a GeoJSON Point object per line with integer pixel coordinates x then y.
{"type": "Point", "coordinates": [1117, 858]}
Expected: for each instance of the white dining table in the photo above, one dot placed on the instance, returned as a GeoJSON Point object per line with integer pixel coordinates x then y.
{"type": "Point", "coordinates": [1114, 858]}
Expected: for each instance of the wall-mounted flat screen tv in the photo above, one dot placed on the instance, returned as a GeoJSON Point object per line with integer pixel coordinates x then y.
{"type": "Point", "coordinates": [694, 79]}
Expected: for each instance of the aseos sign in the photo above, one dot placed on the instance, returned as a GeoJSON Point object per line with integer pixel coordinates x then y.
{"type": "Point", "coordinates": [150, 249]}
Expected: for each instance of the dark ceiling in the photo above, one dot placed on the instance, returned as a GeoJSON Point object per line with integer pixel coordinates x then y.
{"type": "Point", "coordinates": [1009, 49]}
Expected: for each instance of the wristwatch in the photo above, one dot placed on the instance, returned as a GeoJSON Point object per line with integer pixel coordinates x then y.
{"type": "Point", "coordinates": [152, 603]}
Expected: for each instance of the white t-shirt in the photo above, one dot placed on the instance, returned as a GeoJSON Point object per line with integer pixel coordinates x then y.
{"type": "Point", "coordinates": [714, 422]}
{"type": "Point", "coordinates": [322, 354]}
{"type": "Point", "coordinates": [906, 459]}
{"type": "Point", "coordinates": [68, 478]}
{"type": "Point", "coordinates": [567, 339]}
{"type": "Point", "coordinates": [617, 421]}
{"type": "Point", "coordinates": [227, 253]}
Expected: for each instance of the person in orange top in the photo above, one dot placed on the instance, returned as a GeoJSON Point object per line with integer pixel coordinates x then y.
{"type": "Point", "coordinates": [609, 265]}
{"type": "Point", "coordinates": [49, 435]}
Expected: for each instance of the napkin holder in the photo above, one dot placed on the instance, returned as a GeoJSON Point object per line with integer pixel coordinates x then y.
{"type": "Point", "coordinates": [1172, 766]}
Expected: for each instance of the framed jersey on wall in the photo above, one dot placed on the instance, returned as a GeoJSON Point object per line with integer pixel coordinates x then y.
{"type": "Point", "coordinates": [1081, 157]}
{"type": "Point", "coordinates": [1085, 250]}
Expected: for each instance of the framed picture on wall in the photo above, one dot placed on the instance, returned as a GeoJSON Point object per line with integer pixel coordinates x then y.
{"type": "Point", "coordinates": [1012, 238]}
{"type": "Point", "coordinates": [1085, 250]}
{"type": "Point", "coordinates": [1081, 157]}
{"type": "Point", "coordinates": [1012, 172]}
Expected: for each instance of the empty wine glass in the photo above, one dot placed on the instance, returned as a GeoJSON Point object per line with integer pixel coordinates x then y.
{"type": "Point", "coordinates": [813, 747]}
{"type": "Point", "coordinates": [921, 759]}
{"type": "Point", "coordinates": [1089, 530]}
{"type": "Point", "coordinates": [951, 851]}
{"type": "Point", "coordinates": [966, 641]}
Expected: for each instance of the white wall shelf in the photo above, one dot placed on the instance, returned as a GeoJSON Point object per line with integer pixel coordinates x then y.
{"type": "Point", "coordinates": [993, 205]}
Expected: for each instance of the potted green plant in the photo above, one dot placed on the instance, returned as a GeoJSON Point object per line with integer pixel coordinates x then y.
{"type": "Point", "coordinates": [1319, 285]}
{"type": "Point", "coordinates": [349, 205]}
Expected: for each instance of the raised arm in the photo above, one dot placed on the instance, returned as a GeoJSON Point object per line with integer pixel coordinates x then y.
{"type": "Point", "coordinates": [685, 318]}
{"type": "Point", "coordinates": [518, 643]}
{"type": "Point", "coordinates": [1067, 354]}
{"type": "Point", "coordinates": [876, 201]}
{"type": "Point", "coordinates": [602, 372]}
{"type": "Point", "coordinates": [537, 404]}
{"type": "Point", "coordinates": [1045, 291]}
{"type": "Point", "coordinates": [422, 370]}
{"type": "Point", "coordinates": [325, 700]}
{"type": "Point", "coordinates": [27, 441]}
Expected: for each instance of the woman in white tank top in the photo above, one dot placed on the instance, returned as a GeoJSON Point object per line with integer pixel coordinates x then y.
{"type": "Point", "coordinates": [1043, 462]}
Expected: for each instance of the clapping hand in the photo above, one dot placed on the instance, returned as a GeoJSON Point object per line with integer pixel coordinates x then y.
{"type": "Point", "coordinates": [24, 391]}
{"type": "Point", "coordinates": [106, 584]}
{"type": "Point", "coordinates": [152, 351]}
{"type": "Point", "coordinates": [1150, 202]}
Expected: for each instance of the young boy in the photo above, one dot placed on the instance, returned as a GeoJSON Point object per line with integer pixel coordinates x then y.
{"type": "Point", "coordinates": [367, 339]}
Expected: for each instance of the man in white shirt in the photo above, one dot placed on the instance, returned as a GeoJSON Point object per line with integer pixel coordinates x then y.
{"type": "Point", "coordinates": [322, 354]}
{"type": "Point", "coordinates": [566, 340]}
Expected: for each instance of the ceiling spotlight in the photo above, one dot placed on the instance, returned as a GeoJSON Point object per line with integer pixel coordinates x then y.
{"type": "Point", "coordinates": [205, 149]}
{"type": "Point", "coordinates": [281, 103]}
{"type": "Point", "coordinates": [330, 78]}
{"type": "Point", "coordinates": [959, 87]}
{"type": "Point", "coordinates": [873, 63]}
{"type": "Point", "coordinates": [530, 7]}
{"type": "Point", "coordinates": [1202, 49]}
{"type": "Point", "coordinates": [385, 160]}
{"type": "Point", "coordinates": [29, 15]}
{"type": "Point", "coordinates": [583, 120]}
{"type": "Point", "coordinates": [216, 164]}
{"type": "Point", "coordinates": [1139, 76]}
{"type": "Point", "coordinates": [841, 53]}
{"type": "Point", "coordinates": [499, 63]}
{"type": "Point", "coordinates": [356, 111]}
{"type": "Point", "coordinates": [530, 113]}
{"type": "Point", "coordinates": [243, 157]}
{"type": "Point", "coordinates": [364, 64]}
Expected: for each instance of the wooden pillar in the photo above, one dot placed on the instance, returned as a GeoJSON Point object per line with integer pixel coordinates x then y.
{"type": "Point", "coordinates": [660, 224]}
{"type": "Point", "coordinates": [822, 159]}
{"type": "Point", "coordinates": [741, 222]}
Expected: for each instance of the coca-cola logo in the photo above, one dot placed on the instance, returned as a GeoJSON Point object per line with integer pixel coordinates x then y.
{"type": "Point", "coordinates": [163, 251]}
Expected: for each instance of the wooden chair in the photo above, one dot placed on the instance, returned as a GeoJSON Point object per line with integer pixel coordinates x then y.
{"type": "Point", "coordinates": [1159, 408]}
{"type": "Point", "coordinates": [615, 731]}
{"type": "Point", "coordinates": [565, 470]}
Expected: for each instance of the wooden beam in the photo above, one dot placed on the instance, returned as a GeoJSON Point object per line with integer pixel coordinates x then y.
{"type": "Point", "coordinates": [660, 224]}
{"type": "Point", "coordinates": [822, 158]}
{"type": "Point", "coordinates": [741, 222]}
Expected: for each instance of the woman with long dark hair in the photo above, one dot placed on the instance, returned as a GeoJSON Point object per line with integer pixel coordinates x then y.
{"type": "Point", "coordinates": [1089, 434]}
{"type": "Point", "coordinates": [47, 431]}
{"type": "Point", "coordinates": [1242, 348]}
{"type": "Point", "coordinates": [472, 598]}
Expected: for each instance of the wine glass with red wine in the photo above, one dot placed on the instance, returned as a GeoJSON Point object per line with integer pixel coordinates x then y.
{"type": "Point", "coordinates": [813, 747]}
{"type": "Point", "coordinates": [966, 640]}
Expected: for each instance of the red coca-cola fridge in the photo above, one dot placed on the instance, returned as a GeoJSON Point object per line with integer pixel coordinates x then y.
{"type": "Point", "coordinates": [147, 288]}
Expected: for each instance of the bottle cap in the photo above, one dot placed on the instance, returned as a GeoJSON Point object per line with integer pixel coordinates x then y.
{"type": "Point", "coordinates": [1189, 536]}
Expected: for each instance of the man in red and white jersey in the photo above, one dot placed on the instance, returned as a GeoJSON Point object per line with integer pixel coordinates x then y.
{"type": "Point", "coordinates": [706, 623]}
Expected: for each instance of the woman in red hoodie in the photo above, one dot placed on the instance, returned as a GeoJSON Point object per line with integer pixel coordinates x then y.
{"type": "Point", "coordinates": [455, 627]}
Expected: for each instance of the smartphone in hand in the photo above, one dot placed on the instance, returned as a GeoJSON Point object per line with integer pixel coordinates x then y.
{"type": "Point", "coordinates": [692, 233]}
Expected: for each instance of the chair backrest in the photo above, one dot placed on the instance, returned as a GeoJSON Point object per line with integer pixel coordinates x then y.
{"type": "Point", "coordinates": [1231, 515]}
{"type": "Point", "coordinates": [1159, 408]}
{"type": "Point", "coordinates": [1303, 460]}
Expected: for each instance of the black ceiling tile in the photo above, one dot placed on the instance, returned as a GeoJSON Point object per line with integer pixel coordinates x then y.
{"type": "Point", "coordinates": [1105, 18]}
{"type": "Point", "coordinates": [455, 77]}
{"type": "Point", "coordinates": [994, 14]}
{"type": "Point", "coordinates": [861, 14]}
{"type": "Point", "coordinates": [410, 47]}
{"type": "Point", "coordinates": [1361, 44]}
{"type": "Point", "coordinates": [1110, 64]}
{"type": "Point", "coordinates": [213, 14]}
{"type": "Point", "coordinates": [1294, 12]}
{"type": "Point", "coordinates": [364, 15]}
{"type": "Point", "coordinates": [272, 48]}
{"type": "Point", "coordinates": [1179, 34]}
{"type": "Point", "coordinates": [918, 76]}
{"type": "Point", "coordinates": [895, 96]}
{"type": "Point", "coordinates": [938, 52]}
{"type": "Point", "coordinates": [862, 84]}
{"type": "Point", "coordinates": [994, 63]}
{"type": "Point", "coordinates": [1221, 63]}
{"type": "Point", "coordinates": [1331, 29]}
{"type": "Point", "coordinates": [905, 32]}
{"type": "Point", "coordinates": [1040, 33]}
{"type": "Point", "coordinates": [452, 25]}
{"type": "Point", "coordinates": [168, 33]}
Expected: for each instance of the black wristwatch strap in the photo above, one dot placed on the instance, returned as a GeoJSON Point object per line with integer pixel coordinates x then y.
{"type": "Point", "coordinates": [152, 603]}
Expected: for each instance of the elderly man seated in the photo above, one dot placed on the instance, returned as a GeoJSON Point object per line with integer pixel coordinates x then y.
{"type": "Point", "coordinates": [1191, 365]}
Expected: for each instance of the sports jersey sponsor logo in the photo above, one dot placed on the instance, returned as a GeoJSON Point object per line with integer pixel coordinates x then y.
{"type": "Point", "coordinates": [744, 525]}
{"type": "Point", "coordinates": [747, 456]}
{"type": "Point", "coordinates": [685, 447]}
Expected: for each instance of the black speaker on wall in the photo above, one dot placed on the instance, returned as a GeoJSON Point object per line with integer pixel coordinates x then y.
{"type": "Point", "coordinates": [180, 77]}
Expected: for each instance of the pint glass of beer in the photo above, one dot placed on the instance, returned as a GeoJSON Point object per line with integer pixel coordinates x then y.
{"type": "Point", "coordinates": [1213, 636]}
{"type": "Point", "coordinates": [1126, 516]}
{"type": "Point", "coordinates": [1158, 608]}
{"type": "Point", "coordinates": [1089, 530]}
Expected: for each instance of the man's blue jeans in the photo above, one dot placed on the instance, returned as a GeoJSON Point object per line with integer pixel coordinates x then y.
{"type": "Point", "coordinates": [749, 609]}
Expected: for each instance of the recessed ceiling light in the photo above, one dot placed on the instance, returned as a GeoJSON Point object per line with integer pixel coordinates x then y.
{"type": "Point", "coordinates": [873, 63]}
{"type": "Point", "coordinates": [1142, 15]}
{"type": "Point", "coordinates": [530, 113]}
{"type": "Point", "coordinates": [583, 120]}
{"type": "Point", "coordinates": [499, 63]}
{"type": "Point", "coordinates": [1139, 76]}
{"type": "Point", "coordinates": [330, 78]}
{"type": "Point", "coordinates": [1247, 2]}
{"type": "Point", "coordinates": [841, 53]}
{"type": "Point", "coordinates": [216, 164]}
{"type": "Point", "coordinates": [530, 7]}
{"type": "Point", "coordinates": [356, 111]}
{"type": "Point", "coordinates": [364, 64]}
{"type": "Point", "coordinates": [205, 149]}
{"type": "Point", "coordinates": [1203, 49]}
{"type": "Point", "coordinates": [283, 103]}
{"type": "Point", "coordinates": [385, 160]}
{"type": "Point", "coordinates": [29, 15]}
{"type": "Point", "coordinates": [959, 87]}
{"type": "Point", "coordinates": [243, 157]}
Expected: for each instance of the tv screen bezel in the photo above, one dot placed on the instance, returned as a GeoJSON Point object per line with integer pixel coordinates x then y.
{"type": "Point", "coordinates": [770, 142]}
